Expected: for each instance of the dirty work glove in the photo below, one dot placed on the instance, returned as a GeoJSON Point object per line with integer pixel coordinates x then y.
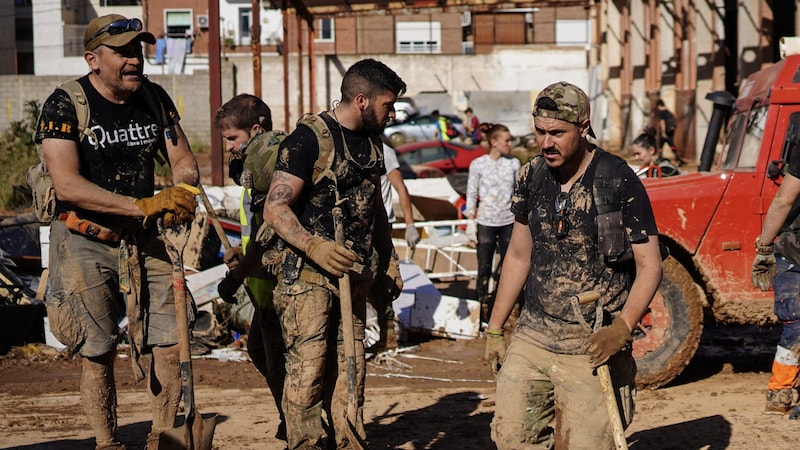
{"type": "Point", "coordinates": [608, 341]}
{"type": "Point", "coordinates": [227, 288]}
{"type": "Point", "coordinates": [333, 258]}
{"type": "Point", "coordinates": [178, 200]}
{"type": "Point", "coordinates": [412, 237]}
{"type": "Point", "coordinates": [232, 257]}
{"type": "Point", "coordinates": [495, 349]}
{"type": "Point", "coordinates": [764, 266]}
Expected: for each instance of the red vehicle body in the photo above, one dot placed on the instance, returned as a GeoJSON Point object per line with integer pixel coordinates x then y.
{"type": "Point", "coordinates": [447, 156]}
{"type": "Point", "coordinates": [709, 221]}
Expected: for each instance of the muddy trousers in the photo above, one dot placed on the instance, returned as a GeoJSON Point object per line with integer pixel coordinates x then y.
{"type": "Point", "coordinates": [786, 365]}
{"type": "Point", "coordinates": [491, 240]}
{"type": "Point", "coordinates": [316, 373]}
{"type": "Point", "coordinates": [267, 351]}
{"type": "Point", "coordinates": [547, 400]}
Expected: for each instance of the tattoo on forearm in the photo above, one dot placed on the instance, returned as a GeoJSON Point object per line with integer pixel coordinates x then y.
{"type": "Point", "coordinates": [280, 193]}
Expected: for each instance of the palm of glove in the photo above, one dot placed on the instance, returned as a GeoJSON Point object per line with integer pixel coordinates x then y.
{"type": "Point", "coordinates": [333, 258]}
{"type": "Point", "coordinates": [764, 268]}
{"type": "Point", "coordinates": [608, 341]}
{"type": "Point", "coordinates": [175, 204]}
{"type": "Point", "coordinates": [495, 351]}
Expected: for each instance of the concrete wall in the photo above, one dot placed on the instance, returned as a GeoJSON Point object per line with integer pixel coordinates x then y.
{"type": "Point", "coordinates": [189, 92]}
{"type": "Point", "coordinates": [499, 87]}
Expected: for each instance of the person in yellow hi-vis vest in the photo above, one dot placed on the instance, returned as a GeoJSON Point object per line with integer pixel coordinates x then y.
{"type": "Point", "coordinates": [245, 123]}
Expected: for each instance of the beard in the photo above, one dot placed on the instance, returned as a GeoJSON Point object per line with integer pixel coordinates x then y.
{"type": "Point", "coordinates": [369, 121]}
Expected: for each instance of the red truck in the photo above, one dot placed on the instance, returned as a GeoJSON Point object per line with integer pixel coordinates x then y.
{"type": "Point", "coordinates": [709, 221]}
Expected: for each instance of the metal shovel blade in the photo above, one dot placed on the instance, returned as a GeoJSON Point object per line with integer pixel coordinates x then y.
{"type": "Point", "coordinates": [192, 435]}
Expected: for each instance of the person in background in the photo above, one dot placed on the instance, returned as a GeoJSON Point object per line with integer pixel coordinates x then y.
{"type": "Point", "coordinates": [244, 122]}
{"type": "Point", "coordinates": [105, 227]}
{"type": "Point", "coordinates": [490, 185]}
{"type": "Point", "coordinates": [562, 246]}
{"type": "Point", "coordinates": [666, 131]}
{"type": "Point", "coordinates": [472, 126]}
{"type": "Point", "coordinates": [649, 156]}
{"type": "Point", "coordinates": [777, 264]}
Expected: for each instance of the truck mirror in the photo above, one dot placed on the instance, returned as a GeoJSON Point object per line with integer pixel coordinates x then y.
{"type": "Point", "coordinates": [775, 169]}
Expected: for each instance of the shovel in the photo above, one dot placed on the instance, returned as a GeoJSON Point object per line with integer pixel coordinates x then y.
{"type": "Point", "coordinates": [348, 335]}
{"type": "Point", "coordinates": [197, 432]}
{"type": "Point", "coordinates": [606, 384]}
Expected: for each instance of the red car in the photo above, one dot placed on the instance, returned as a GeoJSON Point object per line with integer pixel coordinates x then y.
{"type": "Point", "coordinates": [447, 156]}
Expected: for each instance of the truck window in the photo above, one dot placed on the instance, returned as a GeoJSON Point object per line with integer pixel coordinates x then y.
{"type": "Point", "coordinates": [735, 133]}
{"type": "Point", "coordinates": [753, 126]}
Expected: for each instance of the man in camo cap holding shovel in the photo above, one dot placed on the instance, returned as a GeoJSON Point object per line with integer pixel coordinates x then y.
{"type": "Point", "coordinates": [583, 225]}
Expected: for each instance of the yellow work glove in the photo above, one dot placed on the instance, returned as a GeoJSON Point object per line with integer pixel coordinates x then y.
{"type": "Point", "coordinates": [608, 341]}
{"type": "Point", "coordinates": [176, 204]}
{"type": "Point", "coordinates": [495, 349]}
{"type": "Point", "coordinates": [764, 266]}
{"type": "Point", "coordinates": [331, 257]}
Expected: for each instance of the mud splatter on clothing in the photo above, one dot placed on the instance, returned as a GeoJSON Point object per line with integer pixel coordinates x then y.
{"type": "Point", "coordinates": [568, 263]}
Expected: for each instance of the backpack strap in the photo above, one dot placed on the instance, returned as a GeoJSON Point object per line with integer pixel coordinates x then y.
{"type": "Point", "coordinates": [605, 187]}
{"type": "Point", "coordinates": [324, 163]}
{"type": "Point", "coordinates": [77, 96]}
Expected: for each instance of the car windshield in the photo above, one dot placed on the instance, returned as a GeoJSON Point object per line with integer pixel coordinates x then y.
{"type": "Point", "coordinates": [744, 141]}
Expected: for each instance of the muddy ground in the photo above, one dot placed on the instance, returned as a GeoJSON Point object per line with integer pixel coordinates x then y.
{"type": "Point", "coordinates": [441, 396]}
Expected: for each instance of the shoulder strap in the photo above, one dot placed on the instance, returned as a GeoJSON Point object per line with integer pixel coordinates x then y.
{"type": "Point", "coordinates": [538, 167]}
{"type": "Point", "coordinates": [324, 162]}
{"type": "Point", "coordinates": [77, 96]}
{"type": "Point", "coordinates": [605, 187]}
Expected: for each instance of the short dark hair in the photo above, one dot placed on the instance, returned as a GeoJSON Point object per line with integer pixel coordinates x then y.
{"type": "Point", "coordinates": [371, 78]}
{"type": "Point", "coordinates": [647, 138]}
{"type": "Point", "coordinates": [242, 112]}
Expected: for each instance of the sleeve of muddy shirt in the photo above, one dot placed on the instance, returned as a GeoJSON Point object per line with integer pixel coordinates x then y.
{"type": "Point", "coordinates": [58, 119]}
{"type": "Point", "coordinates": [298, 153]}
{"type": "Point", "coordinates": [519, 200]}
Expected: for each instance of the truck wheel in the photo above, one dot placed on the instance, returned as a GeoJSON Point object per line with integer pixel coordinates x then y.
{"type": "Point", "coordinates": [669, 333]}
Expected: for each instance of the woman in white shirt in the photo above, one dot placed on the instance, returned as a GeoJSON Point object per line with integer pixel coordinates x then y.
{"type": "Point", "coordinates": [489, 188]}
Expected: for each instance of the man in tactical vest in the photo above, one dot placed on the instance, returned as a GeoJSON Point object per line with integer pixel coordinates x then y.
{"type": "Point", "coordinates": [245, 122]}
{"type": "Point", "coordinates": [307, 296]}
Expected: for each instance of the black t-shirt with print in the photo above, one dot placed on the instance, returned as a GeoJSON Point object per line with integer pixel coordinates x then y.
{"type": "Point", "coordinates": [357, 183]}
{"type": "Point", "coordinates": [120, 155]}
{"type": "Point", "coordinates": [564, 267]}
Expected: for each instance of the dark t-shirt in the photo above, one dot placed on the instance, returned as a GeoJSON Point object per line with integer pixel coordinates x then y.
{"type": "Point", "coordinates": [561, 268]}
{"type": "Point", "coordinates": [120, 155]}
{"type": "Point", "coordinates": [357, 183]}
{"type": "Point", "coordinates": [670, 123]}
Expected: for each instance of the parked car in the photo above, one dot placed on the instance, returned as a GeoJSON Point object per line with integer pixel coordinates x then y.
{"type": "Point", "coordinates": [447, 156]}
{"type": "Point", "coordinates": [404, 108]}
{"type": "Point", "coordinates": [418, 128]}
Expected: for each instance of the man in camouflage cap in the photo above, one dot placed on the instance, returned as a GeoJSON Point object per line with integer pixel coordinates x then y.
{"type": "Point", "coordinates": [583, 225]}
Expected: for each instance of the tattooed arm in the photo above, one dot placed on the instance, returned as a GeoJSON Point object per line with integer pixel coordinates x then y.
{"type": "Point", "coordinates": [283, 193]}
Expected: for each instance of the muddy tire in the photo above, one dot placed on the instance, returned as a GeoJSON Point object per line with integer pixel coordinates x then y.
{"type": "Point", "coordinates": [668, 335]}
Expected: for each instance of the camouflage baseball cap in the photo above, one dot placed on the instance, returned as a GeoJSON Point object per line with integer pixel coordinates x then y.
{"type": "Point", "coordinates": [563, 101]}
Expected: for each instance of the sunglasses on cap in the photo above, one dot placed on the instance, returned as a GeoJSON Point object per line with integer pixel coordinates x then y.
{"type": "Point", "coordinates": [119, 27]}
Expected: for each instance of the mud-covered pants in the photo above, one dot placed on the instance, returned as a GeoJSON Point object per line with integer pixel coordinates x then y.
{"type": "Point", "coordinates": [315, 362]}
{"type": "Point", "coordinates": [550, 400]}
{"type": "Point", "coordinates": [786, 366]}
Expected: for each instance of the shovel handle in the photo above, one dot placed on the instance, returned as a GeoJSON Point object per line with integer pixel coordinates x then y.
{"type": "Point", "coordinates": [214, 218]}
{"type": "Point", "coordinates": [348, 332]}
{"type": "Point", "coordinates": [611, 406]}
